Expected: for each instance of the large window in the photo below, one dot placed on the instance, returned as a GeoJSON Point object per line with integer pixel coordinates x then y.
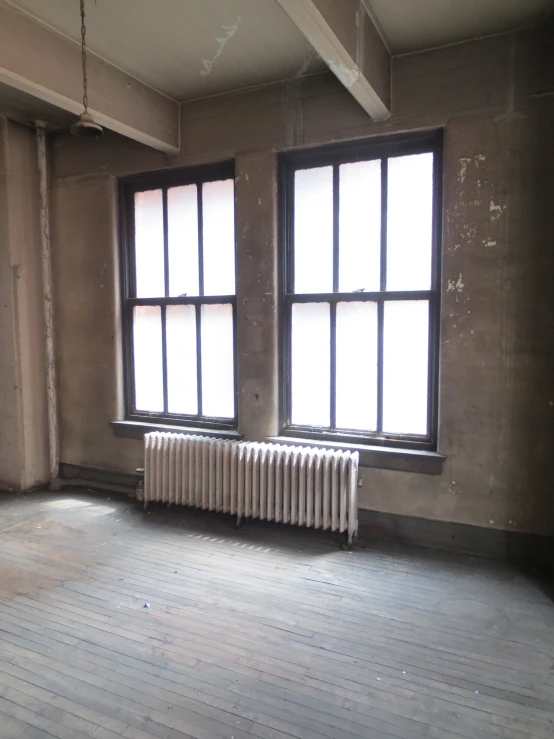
{"type": "Point", "coordinates": [179, 296]}
{"type": "Point", "coordinates": [361, 291]}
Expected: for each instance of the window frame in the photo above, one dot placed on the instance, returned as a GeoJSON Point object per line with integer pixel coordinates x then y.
{"type": "Point", "coordinates": [128, 186]}
{"type": "Point", "coordinates": [335, 155]}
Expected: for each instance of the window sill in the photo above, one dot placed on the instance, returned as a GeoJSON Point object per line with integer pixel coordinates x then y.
{"type": "Point", "coordinates": [383, 458]}
{"type": "Point", "coordinates": [137, 429]}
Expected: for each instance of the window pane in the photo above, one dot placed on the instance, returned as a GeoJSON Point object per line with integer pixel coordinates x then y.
{"type": "Point", "coordinates": [405, 366]}
{"type": "Point", "coordinates": [360, 226]}
{"type": "Point", "coordinates": [180, 327]}
{"type": "Point", "coordinates": [357, 366]}
{"type": "Point", "coordinates": [149, 244]}
{"type": "Point", "coordinates": [218, 365]}
{"type": "Point", "coordinates": [147, 338]}
{"type": "Point", "coordinates": [410, 222]}
{"type": "Point", "coordinates": [310, 357]}
{"type": "Point", "coordinates": [313, 230]}
{"type": "Point", "coordinates": [218, 219]}
{"type": "Point", "coordinates": [182, 237]}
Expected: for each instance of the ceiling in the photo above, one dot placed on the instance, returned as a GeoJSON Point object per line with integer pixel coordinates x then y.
{"type": "Point", "coordinates": [413, 25]}
{"type": "Point", "coordinates": [186, 48]}
{"type": "Point", "coordinates": [195, 48]}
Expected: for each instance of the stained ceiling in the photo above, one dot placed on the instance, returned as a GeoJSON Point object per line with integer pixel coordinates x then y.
{"type": "Point", "coordinates": [187, 48]}
{"type": "Point", "coordinates": [195, 48]}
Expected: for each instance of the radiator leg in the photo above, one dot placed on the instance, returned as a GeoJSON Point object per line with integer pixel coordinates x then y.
{"type": "Point", "coordinates": [239, 522]}
{"type": "Point", "coordinates": [348, 542]}
{"type": "Point", "coordinates": [145, 506]}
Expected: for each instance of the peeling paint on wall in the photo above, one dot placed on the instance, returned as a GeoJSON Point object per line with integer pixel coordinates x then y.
{"type": "Point", "coordinates": [463, 161]}
{"type": "Point", "coordinates": [458, 285]}
{"type": "Point", "coordinates": [496, 211]}
{"type": "Point", "coordinates": [221, 44]}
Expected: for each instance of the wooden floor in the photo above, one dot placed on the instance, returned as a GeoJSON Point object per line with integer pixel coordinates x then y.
{"type": "Point", "coordinates": [262, 632]}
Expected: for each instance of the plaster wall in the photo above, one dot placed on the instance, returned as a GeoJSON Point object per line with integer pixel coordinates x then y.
{"type": "Point", "coordinates": [493, 98]}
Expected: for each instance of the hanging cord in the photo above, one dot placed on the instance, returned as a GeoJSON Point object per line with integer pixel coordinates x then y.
{"type": "Point", "coordinates": [84, 55]}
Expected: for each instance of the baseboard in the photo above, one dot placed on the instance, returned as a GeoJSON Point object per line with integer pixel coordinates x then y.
{"type": "Point", "coordinates": [530, 549]}
{"type": "Point", "coordinates": [8, 489]}
{"type": "Point", "coordinates": [80, 475]}
{"type": "Point", "coordinates": [512, 546]}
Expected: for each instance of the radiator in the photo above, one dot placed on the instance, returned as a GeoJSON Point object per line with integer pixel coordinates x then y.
{"type": "Point", "coordinates": [300, 486]}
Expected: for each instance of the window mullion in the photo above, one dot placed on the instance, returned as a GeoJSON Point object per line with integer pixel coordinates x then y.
{"type": "Point", "coordinates": [384, 199]}
{"type": "Point", "coordinates": [164, 355]}
{"type": "Point", "coordinates": [336, 205]}
{"type": "Point", "coordinates": [198, 309]}
{"type": "Point", "coordinates": [333, 373]}
{"type": "Point", "coordinates": [200, 240]}
{"type": "Point", "coordinates": [163, 307]}
{"type": "Point", "coordinates": [198, 306]}
{"type": "Point", "coordinates": [380, 322]}
{"type": "Point", "coordinates": [166, 242]}
{"type": "Point", "coordinates": [333, 304]}
{"type": "Point", "coordinates": [383, 285]}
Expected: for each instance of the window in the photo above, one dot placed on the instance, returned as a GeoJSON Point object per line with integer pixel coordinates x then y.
{"type": "Point", "coordinates": [179, 296]}
{"type": "Point", "coordinates": [361, 291]}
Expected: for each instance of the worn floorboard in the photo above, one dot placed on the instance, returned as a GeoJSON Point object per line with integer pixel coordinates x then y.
{"type": "Point", "coordinates": [266, 631]}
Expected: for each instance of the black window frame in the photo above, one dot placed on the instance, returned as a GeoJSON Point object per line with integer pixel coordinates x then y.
{"type": "Point", "coordinates": [334, 155]}
{"type": "Point", "coordinates": [128, 186]}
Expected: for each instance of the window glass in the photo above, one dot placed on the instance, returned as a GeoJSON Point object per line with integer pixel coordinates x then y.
{"type": "Point", "coordinates": [182, 394]}
{"type": "Point", "coordinates": [218, 389]}
{"type": "Point", "coordinates": [218, 219]}
{"type": "Point", "coordinates": [405, 366]}
{"type": "Point", "coordinates": [356, 405]}
{"type": "Point", "coordinates": [310, 359]}
{"type": "Point", "coordinates": [182, 242]}
{"type": "Point", "coordinates": [149, 244]}
{"type": "Point", "coordinates": [313, 230]}
{"type": "Point", "coordinates": [360, 226]}
{"type": "Point", "coordinates": [147, 352]}
{"type": "Point", "coordinates": [181, 352]}
{"type": "Point", "coordinates": [410, 222]}
{"type": "Point", "coordinates": [360, 358]}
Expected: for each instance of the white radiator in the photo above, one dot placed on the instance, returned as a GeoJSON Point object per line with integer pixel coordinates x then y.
{"type": "Point", "coordinates": [296, 485]}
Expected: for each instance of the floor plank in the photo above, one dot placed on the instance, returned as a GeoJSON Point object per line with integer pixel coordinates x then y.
{"type": "Point", "coordinates": [267, 631]}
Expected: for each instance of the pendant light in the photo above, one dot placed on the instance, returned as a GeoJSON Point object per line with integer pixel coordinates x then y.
{"type": "Point", "coordinates": [86, 126]}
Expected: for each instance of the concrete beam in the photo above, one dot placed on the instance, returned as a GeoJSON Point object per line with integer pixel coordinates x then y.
{"type": "Point", "coordinates": [346, 38]}
{"type": "Point", "coordinates": [40, 62]}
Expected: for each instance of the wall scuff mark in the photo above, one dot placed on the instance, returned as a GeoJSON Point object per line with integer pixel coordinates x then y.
{"type": "Point", "coordinates": [303, 69]}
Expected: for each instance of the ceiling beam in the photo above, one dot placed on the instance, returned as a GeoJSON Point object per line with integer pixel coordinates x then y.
{"type": "Point", "coordinates": [47, 65]}
{"type": "Point", "coordinates": [346, 38]}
